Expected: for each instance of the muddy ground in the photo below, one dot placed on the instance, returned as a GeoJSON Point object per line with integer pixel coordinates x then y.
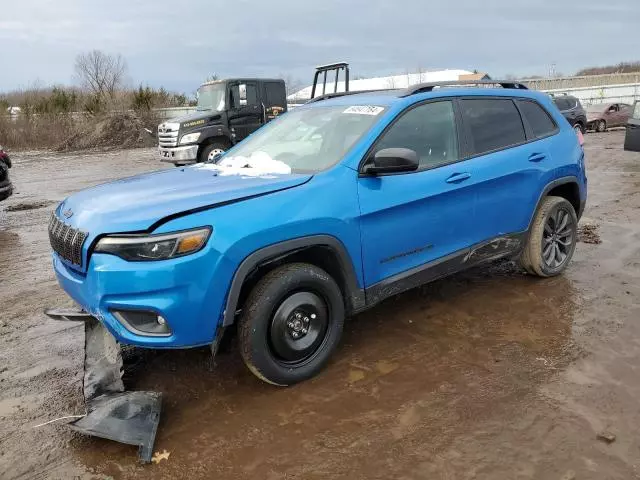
{"type": "Point", "coordinates": [488, 374]}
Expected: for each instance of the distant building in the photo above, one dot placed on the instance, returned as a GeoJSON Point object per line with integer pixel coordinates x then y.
{"type": "Point", "coordinates": [394, 81]}
{"type": "Point", "coordinates": [474, 76]}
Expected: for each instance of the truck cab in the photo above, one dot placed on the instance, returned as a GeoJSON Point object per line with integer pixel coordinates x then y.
{"type": "Point", "coordinates": [227, 112]}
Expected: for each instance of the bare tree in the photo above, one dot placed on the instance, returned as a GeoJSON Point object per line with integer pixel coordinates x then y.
{"type": "Point", "coordinates": [292, 85]}
{"type": "Point", "coordinates": [101, 73]}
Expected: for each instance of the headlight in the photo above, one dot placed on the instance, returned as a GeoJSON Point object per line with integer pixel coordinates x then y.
{"type": "Point", "coordinates": [190, 138]}
{"type": "Point", "coordinates": [140, 248]}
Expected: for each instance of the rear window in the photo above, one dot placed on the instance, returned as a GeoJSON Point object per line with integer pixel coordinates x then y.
{"type": "Point", "coordinates": [275, 94]}
{"type": "Point", "coordinates": [493, 123]}
{"type": "Point", "coordinates": [561, 103]}
{"type": "Point", "coordinates": [539, 120]}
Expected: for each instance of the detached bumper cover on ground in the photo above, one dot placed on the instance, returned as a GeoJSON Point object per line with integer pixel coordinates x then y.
{"type": "Point", "coordinates": [112, 413]}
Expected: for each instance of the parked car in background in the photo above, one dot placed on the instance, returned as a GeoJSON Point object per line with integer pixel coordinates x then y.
{"type": "Point", "coordinates": [572, 110]}
{"type": "Point", "coordinates": [6, 188]}
{"type": "Point", "coordinates": [632, 136]}
{"type": "Point", "coordinates": [607, 115]}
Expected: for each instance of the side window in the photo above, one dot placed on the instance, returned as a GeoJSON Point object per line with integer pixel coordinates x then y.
{"type": "Point", "coordinates": [429, 130]}
{"type": "Point", "coordinates": [252, 94]}
{"type": "Point", "coordinates": [539, 120]}
{"type": "Point", "coordinates": [494, 123]}
{"type": "Point", "coordinates": [250, 91]}
{"type": "Point", "coordinates": [636, 111]}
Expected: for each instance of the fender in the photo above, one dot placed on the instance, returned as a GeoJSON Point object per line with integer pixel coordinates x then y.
{"type": "Point", "coordinates": [354, 295]}
{"type": "Point", "coordinates": [213, 131]}
{"type": "Point", "coordinates": [550, 186]}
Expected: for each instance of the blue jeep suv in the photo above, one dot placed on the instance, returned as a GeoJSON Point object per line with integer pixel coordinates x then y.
{"type": "Point", "coordinates": [323, 213]}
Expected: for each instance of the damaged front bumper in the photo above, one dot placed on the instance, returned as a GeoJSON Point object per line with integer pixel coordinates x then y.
{"type": "Point", "coordinates": [175, 290]}
{"type": "Point", "coordinates": [126, 417]}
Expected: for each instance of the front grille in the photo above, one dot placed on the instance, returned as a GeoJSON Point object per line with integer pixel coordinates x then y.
{"type": "Point", "coordinates": [168, 134]}
{"type": "Point", "coordinates": [66, 241]}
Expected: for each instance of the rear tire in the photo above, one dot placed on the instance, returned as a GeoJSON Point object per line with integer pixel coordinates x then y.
{"type": "Point", "coordinates": [208, 152]}
{"type": "Point", "coordinates": [552, 238]}
{"type": "Point", "coordinates": [291, 323]}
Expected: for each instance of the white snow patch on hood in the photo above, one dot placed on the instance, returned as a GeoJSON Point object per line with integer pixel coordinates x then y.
{"type": "Point", "coordinates": [259, 164]}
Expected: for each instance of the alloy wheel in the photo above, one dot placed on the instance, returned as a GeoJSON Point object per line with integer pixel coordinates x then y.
{"type": "Point", "coordinates": [558, 238]}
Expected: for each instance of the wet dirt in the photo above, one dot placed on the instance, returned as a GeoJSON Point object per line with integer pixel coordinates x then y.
{"type": "Point", "coordinates": [19, 207]}
{"type": "Point", "coordinates": [487, 374]}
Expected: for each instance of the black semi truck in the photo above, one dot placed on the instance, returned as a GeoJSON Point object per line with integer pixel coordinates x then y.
{"type": "Point", "coordinates": [227, 112]}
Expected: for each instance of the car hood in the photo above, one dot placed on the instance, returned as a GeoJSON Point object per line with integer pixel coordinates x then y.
{"type": "Point", "coordinates": [136, 203]}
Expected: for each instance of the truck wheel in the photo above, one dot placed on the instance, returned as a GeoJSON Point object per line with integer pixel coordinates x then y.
{"type": "Point", "coordinates": [291, 324]}
{"type": "Point", "coordinates": [552, 238]}
{"type": "Point", "coordinates": [208, 152]}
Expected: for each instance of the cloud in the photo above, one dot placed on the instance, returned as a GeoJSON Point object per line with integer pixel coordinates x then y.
{"type": "Point", "coordinates": [179, 44]}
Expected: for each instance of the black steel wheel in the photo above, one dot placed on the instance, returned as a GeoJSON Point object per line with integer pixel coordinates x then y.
{"type": "Point", "coordinates": [291, 323]}
{"type": "Point", "coordinates": [298, 327]}
{"type": "Point", "coordinates": [552, 238]}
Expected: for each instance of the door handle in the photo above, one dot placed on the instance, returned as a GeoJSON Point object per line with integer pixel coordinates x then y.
{"type": "Point", "coordinates": [536, 157]}
{"type": "Point", "coordinates": [458, 177]}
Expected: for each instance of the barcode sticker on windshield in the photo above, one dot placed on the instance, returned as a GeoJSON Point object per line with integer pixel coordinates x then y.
{"type": "Point", "coordinates": [364, 109]}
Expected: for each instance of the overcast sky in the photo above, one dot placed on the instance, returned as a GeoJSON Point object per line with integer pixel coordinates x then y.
{"type": "Point", "coordinates": [179, 43]}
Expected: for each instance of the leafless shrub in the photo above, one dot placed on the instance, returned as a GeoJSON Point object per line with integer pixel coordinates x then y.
{"type": "Point", "coordinates": [101, 74]}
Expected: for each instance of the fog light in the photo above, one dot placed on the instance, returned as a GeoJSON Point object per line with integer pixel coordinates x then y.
{"type": "Point", "coordinates": [143, 322]}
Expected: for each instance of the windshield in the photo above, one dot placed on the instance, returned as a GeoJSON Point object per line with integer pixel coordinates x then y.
{"type": "Point", "coordinates": [211, 97]}
{"type": "Point", "coordinates": [309, 140]}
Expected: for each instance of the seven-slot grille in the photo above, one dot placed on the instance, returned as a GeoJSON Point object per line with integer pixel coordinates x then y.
{"type": "Point", "coordinates": [66, 241]}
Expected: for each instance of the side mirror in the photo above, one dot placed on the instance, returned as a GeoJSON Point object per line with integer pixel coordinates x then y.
{"type": "Point", "coordinates": [392, 160]}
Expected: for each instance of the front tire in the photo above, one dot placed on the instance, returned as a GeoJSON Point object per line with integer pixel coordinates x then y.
{"type": "Point", "coordinates": [209, 152]}
{"type": "Point", "coordinates": [552, 238]}
{"type": "Point", "coordinates": [601, 126]}
{"type": "Point", "coordinates": [291, 323]}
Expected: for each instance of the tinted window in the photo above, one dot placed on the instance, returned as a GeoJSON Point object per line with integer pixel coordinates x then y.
{"type": "Point", "coordinates": [275, 94]}
{"type": "Point", "coordinates": [252, 94]}
{"type": "Point", "coordinates": [429, 130]}
{"type": "Point", "coordinates": [538, 119]}
{"type": "Point", "coordinates": [493, 123]}
{"type": "Point", "coordinates": [561, 103]}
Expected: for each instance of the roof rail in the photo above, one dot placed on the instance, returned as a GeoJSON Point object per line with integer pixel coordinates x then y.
{"type": "Point", "coordinates": [428, 87]}
{"type": "Point", "coordinates": [327, 96]}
